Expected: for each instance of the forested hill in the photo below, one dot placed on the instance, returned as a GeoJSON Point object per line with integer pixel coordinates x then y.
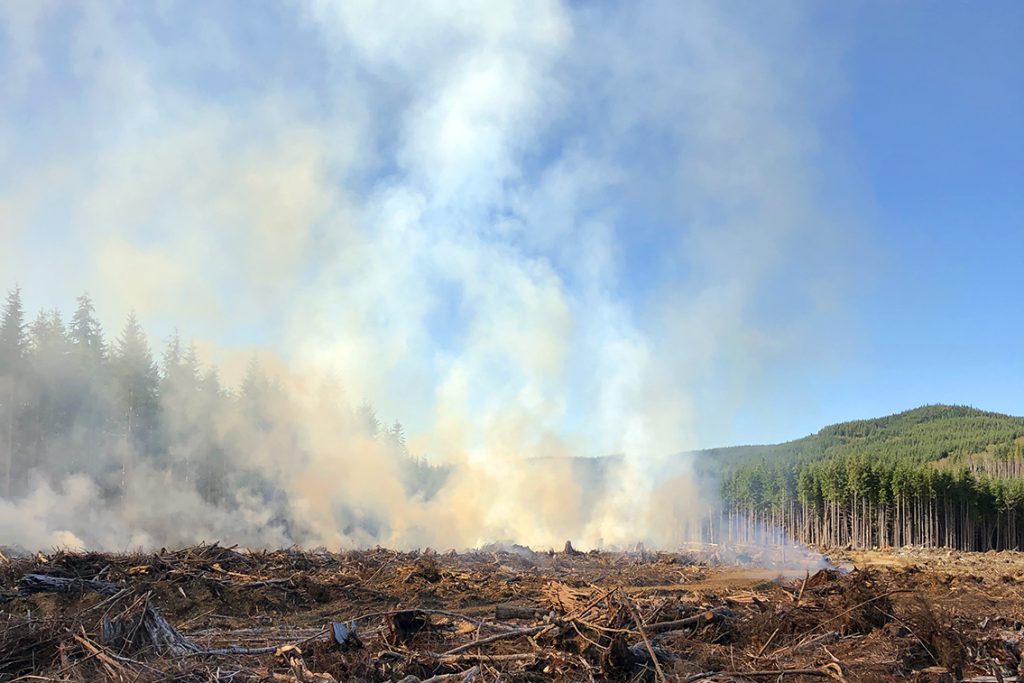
{"type": "Point", "coordinates": [920, 435]}
{"type": "Point", "coordinates": [936, 475]}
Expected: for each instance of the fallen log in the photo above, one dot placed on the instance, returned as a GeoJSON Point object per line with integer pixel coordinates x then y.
{"type": "Point", "coordinates": [145, 627]}
{"type": "Point", "coordinates": [696, 620]}
{"type": "Point", "coordinates": [466, 675]}
{"type": "Point", "coordinates": [44, 583]}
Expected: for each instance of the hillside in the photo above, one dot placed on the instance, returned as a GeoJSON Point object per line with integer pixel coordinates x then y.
{"type": "Point", "coordinates": [919, 435]}
{"type": "Point", "coordinates": [936, 475]}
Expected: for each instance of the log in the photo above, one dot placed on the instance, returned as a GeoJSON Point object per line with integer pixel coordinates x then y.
{"type": "Point", "coordinates": [44, 583]}
{"type": "Point", "coordinates": [146, 627]}
{"type": "Point", "coordinates": [697, 620]}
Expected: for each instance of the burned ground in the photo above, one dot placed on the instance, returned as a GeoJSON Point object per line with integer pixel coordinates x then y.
{"type": "Point", "coordinates": [213, 613]}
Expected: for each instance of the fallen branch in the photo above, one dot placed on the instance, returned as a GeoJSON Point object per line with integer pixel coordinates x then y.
{"type": "Point", "coordinates": [466, 675]}
{"type": "Point", "coordinates": [643, 634]}
{"type": "Point", "coordinates": [448, 660]}
{"type": "Point", "coordinates": [113, 668]}
{"type": "Point", "coordinates": [499, 636]}
{"type": "Point", "coordinates": [828, 671]}
{"type": "Point", "coordinates": [679, 624]}
{"type": "Point", "coordinates": [856, 607]}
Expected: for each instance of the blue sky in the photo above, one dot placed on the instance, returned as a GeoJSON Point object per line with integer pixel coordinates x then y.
{"type": "Point", "coordinates": [594, 227]}
{"type": "Point", "coordinates": [932, 128]}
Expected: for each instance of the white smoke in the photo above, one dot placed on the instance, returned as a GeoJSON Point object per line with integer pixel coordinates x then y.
{"type": "Point", "coordinates": [526, 229]}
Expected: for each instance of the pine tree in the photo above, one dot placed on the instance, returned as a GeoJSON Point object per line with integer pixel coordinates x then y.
{"type": "Point", "coordinates": [254, 396]}
{"type": "Point", "coordinates": [254, 384]}
{"type": "Point", "coordinates": [210, 383]}
{"type": "Point", "coordinates": [48, 338]}
{"type": "Point", "coordinates": [137, 381]}
{"type": "Point", "coordinates": [85, 332]}
{"type": "Point", "coordinates": [397, 435]}
{"type": "Point", "coordinates": [90, 389]}
{"type": "Point", "coordinates": [12, 369]}
{"type": "Point", "coordinates": [172, 356]}
{"type": "Point", "coordinates": [13, 342]}
{"type": "Point", "coordinates": [190, 366]}
{"type": "Point", "coordinates": [49, 397]}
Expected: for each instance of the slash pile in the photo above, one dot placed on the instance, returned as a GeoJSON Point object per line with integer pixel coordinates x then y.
{"type": "Point", "coordinates": [211, 613]}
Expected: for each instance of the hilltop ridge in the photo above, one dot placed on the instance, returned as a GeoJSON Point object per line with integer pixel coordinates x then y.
{"type": "Point", "coordinates": [929, 432]}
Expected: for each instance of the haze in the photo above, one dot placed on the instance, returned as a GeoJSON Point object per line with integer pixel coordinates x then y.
{"type": "Point", "coordinates": [523, 230]}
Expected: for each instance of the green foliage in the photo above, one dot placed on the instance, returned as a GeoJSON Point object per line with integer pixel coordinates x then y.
{"type": "Point", "coordinates": [923, 460]}
{"type": "Point", "coordinates": [71, 404]}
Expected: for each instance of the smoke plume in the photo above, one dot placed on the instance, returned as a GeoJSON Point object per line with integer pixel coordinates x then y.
{"type": "Point", "coordinates": [530, 231]}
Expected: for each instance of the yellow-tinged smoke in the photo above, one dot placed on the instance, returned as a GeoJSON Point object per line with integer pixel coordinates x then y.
{"type": "Point", "coordinates": [534, 233]}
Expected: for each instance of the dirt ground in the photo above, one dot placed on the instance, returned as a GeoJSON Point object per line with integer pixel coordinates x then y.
{"type": "Point", "coordinates": [210, 613]}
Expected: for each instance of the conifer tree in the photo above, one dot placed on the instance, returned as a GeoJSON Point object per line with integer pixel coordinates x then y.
{"type": "Point", "coordinates": [137, 382]}
{"type": "Point", "coordinates": [397, 434]}
{"type": "Point", "coordinates": [13, 341]}
{"type": "Point", "coordinates": [13, 344]}
{"type": "Point", "coordinates": [85, 333]}
{"type": "Point", "coordinates": [172, 356]}
{"type": "Point", "coordinates": [366, 418]}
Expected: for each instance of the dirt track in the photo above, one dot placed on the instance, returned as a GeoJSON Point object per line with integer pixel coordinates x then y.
{"type": "Point", "coordinates": [212, 613]}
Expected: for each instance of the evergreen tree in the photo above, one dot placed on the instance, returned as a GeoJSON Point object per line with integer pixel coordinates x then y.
{"type": "Point", "coordinates": [173, 354]}
{"type": "Point", "coordinates": [50, 392]}
{"type": "Point", "coordinates": [397, 435]}
{"type": "Point", "coordinates": [254, 397]}
{"type": "Point", "coordinates": [13, 342]}
{"type": "Point", "coordinates": [366, 418]}
{"type": "Point", "coordinates": [85, 332]}
{"type": "Point", "coordinates": [255, 383]}
{"type": "Point", "coordinates": [12, 355]}
{"type": "Point", "coordinates": [89, 388]}
{"type": "Point", "coordinates": [137, 381]}
{"type": "Point", "coordinates": [190, 366]}
{"type": "Point", "coordinates": [48, 338]}
{"type": "Point", "coordinates": [210, 383]}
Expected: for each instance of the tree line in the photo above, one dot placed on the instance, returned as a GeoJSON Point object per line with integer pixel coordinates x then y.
{"type": "Point", "coordinates": [937, 476]}
{"type": "Point", "coordinates": [74, 402]}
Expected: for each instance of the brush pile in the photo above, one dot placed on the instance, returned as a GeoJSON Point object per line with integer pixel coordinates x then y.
{"type": "Point", "coordinates": [211, 613]}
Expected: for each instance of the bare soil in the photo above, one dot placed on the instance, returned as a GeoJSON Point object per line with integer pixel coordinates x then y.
{"type": "Point", "coordinates": [210, 613]}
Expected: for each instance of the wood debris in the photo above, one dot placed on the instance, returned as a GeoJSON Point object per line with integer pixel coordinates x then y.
{"type": "Point", "coordinates": [211, 613]}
